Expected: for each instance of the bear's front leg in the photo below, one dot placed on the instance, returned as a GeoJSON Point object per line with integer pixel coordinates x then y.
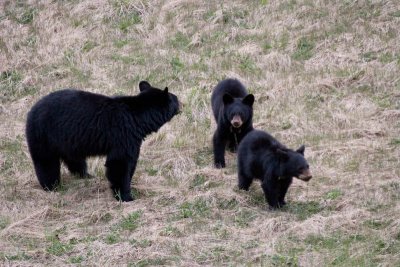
{"type": "Point", "coordinates": [244, 180]}
{"type": "Point", "coordinates": [270, 191]}
{"type": "Point", "coordinates": [283, 186]}
{"type": "Point", "coordinates": [219, 144]}
{"type": "Point", "coordinates": [119, 174]}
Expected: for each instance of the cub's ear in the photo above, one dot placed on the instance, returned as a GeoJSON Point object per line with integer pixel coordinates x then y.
{"type": "Point", "coordinates": [227, 98]}
{"type": "Point", "coordinates": [301, 150]}
{"type": "Point", "coordinates": [283, 155]}
{"type": "Point", "coordinates": [166, 90]}
{"type": "Point", "coordinates": [144, 85]}
{"type": "Point", "coordinates": [248, 100]}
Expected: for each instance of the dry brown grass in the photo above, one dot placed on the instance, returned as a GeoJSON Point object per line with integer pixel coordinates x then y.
{"type": "Point", "coordinates": [324, 73]}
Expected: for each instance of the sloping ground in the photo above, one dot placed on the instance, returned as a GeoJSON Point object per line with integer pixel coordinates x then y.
{"type": "Point", "coordinates": [324, 73]}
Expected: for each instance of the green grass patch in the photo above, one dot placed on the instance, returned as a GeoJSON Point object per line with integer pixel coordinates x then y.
{"type": "Point", "coordinates": [132, 59]}
{"type": "Point", "coordinates": [56, 247]}
{"type": "Point", "coordinates": [4, 222]}
{"type": "Point", "coordinates": [283, 260]}
{"type": "Point", "coordinates": [20, 12]}
{"type": "Point", "coordinates": [157, 261]}
{"type": "Point", "coordinates": [377, 224]}
{"type": "Point", "coordinates": [303, 210]}
{"type": "Point", "coordinates": [369, 56]}
{"type": "Point", "coordinates": [220, 231]}
{"type": "Point", "coordinates": [247, 64]}
{"type": "Point", "coordinates": [336, 249]}
{"type": "Point", "coordinates": [227, 204]}
{"type": "Point", "coordinates": [171, 231]}
{"type": "Point", "coordinates": [88, 45]}
{"type": "Point", "coordinates": [180, 41]}
{"type": "Point", "coordinates": [127, 16]}
{"type": "Point", "coordinates": [121, 43]}
{"type": "Point", "coordinates": [144, 243]}
{"type": "Point", "coordinates": [76, 259]}
{"type": "Point", "coordinates": [244, 217]}
{"type": "Point", "coordinates": [395, 14]}
{"type": "Point", "coordinates": [203, 156]}
{"type": "Point", "coordinates": [15, 158]}
{"type": "Point", "coordinates": [11, 86]}
{"type": "Point", "coordinates": [176, 64]}
{"type": "Point", "coordinates": [395, 142]}
{"type": "Point", "coordinates": [125, 23]}
{"type": "Point", "coordinates": [217, 255]}
{"type": "Point", "coordinates": [19, 256]}
{"type": "Point", "coordinates": [198, 208]}
{"type": "Point", "coordinates": [333, 194]}
{"type": "Point", "coordinates": [131, 221]}
{"type": "Point", "coordinates": [304, 49]}
{"type": "Point", "coordinates": [267, 46]}
{"type": "Point", "coordinates": [198, 181]}
{"type": "Point", "coordinates": [112, 238]}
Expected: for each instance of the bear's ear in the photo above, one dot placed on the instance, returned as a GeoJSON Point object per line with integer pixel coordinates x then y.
{"type": "Point", "coordinates": [301, 150]}
{"type": "Point", "coordinates": [248, 100]}
{"type": "Point", "coordinates": [166, 90]}
{"type": "Point", "coordinates": [283, 155]}
{"type": "Point", "coordinates": [144, 85]}
{"type": "Point", "coordinates": [227, 98]}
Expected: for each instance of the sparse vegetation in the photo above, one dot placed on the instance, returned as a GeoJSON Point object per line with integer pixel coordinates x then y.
{"type": "Point", "coordinates": [325, 74]}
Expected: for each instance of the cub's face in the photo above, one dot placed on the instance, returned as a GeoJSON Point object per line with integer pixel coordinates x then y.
{"type": "Point", "coordinates": [237, 110]}
{"type": "Point", "coordinates": [293, 164]}
{"type": "Point", "coordinates": [161, 99]}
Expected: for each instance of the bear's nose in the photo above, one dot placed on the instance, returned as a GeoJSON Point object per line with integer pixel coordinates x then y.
{"type": "Point", "coordinates": [236, 121]}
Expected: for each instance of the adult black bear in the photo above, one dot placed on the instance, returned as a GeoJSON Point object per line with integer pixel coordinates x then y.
{"type": "Point", "coordinates": [70, 125]}
{"type": "Point", "coordinates": [233, 111]}
{"type": "Point", "coordinates": [261, 156]}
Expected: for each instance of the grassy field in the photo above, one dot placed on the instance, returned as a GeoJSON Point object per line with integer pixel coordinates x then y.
{"type": "Point", "coordinates": [324, 73]}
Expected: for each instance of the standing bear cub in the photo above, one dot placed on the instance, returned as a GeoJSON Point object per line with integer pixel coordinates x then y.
{"type": "Point", "coordinates": [261, 156]}
{"type": "Point", "coordinates": [70, 125]}
{"type": "Point", "coordinates": [233, 111]}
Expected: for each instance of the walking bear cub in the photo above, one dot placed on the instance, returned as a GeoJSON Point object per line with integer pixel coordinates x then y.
{"type": "Point", "coordinates": [233, 111]}
{"type": "Point", "coordinates": [261, 156]}
{"type": "Point", "coordinates": [70, 125]}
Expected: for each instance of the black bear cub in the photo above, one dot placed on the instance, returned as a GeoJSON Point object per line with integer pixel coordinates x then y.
{"type": "Point", "coordinates": [233, 111]}
{"type": "Point", "coordinates": [70, 125]}
{"type": "Point", "coordinates": [261, 156]}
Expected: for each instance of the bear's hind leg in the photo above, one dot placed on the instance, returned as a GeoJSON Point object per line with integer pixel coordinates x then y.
{"type": "Point", "coordinates": [77, 167]}
{"type": "Point", "coordinates": [119, 174]}
{"type": "Point", "coordinates": [48, 172]}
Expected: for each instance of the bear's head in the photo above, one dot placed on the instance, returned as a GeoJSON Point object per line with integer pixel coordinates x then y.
{"type": "Point", "coordinates": [162, 100]}
{"type": "Point", "coordinates": [238, 110]}
{"type": "Point", "coordinates": [293, 163]}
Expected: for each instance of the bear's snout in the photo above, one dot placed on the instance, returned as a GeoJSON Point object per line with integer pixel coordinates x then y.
{"type": "Point", "coordinates": [305, 175]}
{"type": "Point", "coordinates": [236, 121]}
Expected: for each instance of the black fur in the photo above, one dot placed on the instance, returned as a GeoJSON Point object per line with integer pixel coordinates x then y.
{"type": "Point", "coordinates": [228, 99]}
{"type": "Point", "coordinates": [261, 156]}
{"type": "Point", "coordinates": [70, 125]}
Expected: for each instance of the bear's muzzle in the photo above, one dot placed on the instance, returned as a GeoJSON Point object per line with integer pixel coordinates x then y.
{"type": "Point", "coordinates": [236, 121]}
{"type": "Point", "coordinates": [305, 175]}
